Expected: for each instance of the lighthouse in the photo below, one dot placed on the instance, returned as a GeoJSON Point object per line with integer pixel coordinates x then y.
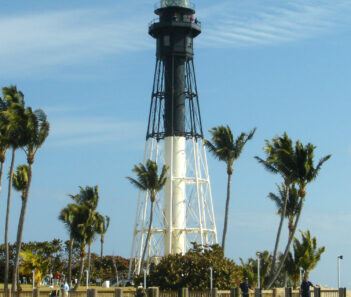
{"type": "Point", "coordinates": [183, 212]}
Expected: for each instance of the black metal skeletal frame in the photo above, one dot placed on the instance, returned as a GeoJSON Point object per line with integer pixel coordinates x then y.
{"type": "Point", "coordinates": [174, 109]}
{"type": "Point", "coordinates": [156, 124]}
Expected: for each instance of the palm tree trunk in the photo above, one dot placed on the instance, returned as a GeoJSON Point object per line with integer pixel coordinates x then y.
{"type": "Point", "coordinates": [81, 268]}
{"type": "Point", "coordinates": [20, 230]}
{"type": "Point", "coordinates": [89, 260]}
{"type": "Point", "coordinates": [115, 267]}
{"type": "Point", "coordinates": [70, 247]}
{"type": "Point", "coordinates": [282, 216]}
{"type": "Point", "coordinates": [102, 247]}
{"type": "Point", "coordinates": [1, 171]}
{"type": "Point", "coordinates": [287, 246]}
{"type": "Point", "coordinates": [148, 233]}
{"type": "Point", "coordinates": [6, 272]}
{"type": "Point", "coordinates": [226, 212]}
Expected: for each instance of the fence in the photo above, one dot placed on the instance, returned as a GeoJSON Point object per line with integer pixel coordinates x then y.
{"type": "Point", "coordinates": [130, 292]}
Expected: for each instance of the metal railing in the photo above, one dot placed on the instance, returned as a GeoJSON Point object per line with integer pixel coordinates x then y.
{"type": "Point", "coordinates": [182, 21]}
{"type": "Point", "coordinates": [178, 3]}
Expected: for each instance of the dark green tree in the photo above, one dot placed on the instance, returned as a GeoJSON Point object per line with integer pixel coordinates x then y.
{"type": "Point", "coordinates": [192, 270]}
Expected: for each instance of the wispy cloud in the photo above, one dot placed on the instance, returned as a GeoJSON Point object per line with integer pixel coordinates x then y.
{"type": "Point", "coordinates": [32, 43]}
{"type": "Point", "coordinates": [256, 23]}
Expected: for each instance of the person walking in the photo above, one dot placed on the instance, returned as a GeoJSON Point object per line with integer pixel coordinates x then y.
{"type": "Point", "coordinates": [245, 286]}
{"type": "Point", "coordinates": [305, 287]}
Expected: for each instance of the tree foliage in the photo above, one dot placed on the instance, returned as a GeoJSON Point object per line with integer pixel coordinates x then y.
{"type": "Point", "coordinates": [34, 261]}
{"type": "Point", "coordinates": [227, 149]}
{"type": "Point", "coordinates": [192, 270]}
{"type": "Point", "coordinates": [250, 268]}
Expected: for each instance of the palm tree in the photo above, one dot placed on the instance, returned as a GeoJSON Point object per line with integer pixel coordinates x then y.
{"type": "Point", "coordinates": [12, 124]}
{"type": "Point", "coordinates": [291, 205]}
{"type": "Point", "coordinates": [67, 216]}
{"type": "Point", "coordinates": [20, 183]}
{"type": "Point", "coordinates": [4, 141]}
{"type": "Point", "coordinates": [306, 256]}
{"type": "Point", "coordinates": [250, 268]}
{"type": "Point", "coordinates": [102, 226]}
{"type": "Point", "coordinates": [304, 172]}
{"type": "Point", "coordinates": [37, 130]}
{"type": "Point", "coordinates": [85, 223]}
{"type": "Point", "coordinates": [89, 197]}
{"type": "Point", "coordinates": [225, 148]}
{"type": "Point", "coordinates": [82, 234]}
{"type": "Point", "coordinates": [307, 252]}
{"type": "Point", "coordinates": [149, 181]}
{"type": "Point", "coordinates": [279, 160]}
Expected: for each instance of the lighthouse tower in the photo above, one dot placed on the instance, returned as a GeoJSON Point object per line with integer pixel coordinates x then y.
{"type": "Point", "coordinates": [183, 212]}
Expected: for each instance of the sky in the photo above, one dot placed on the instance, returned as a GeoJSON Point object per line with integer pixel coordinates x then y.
{"type": "Point", "coordinates": [280, 66]}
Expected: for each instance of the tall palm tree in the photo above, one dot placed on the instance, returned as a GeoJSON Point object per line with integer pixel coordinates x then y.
{"type": "Point", "coordinates": [304, 172]}
{"type": "Point", "coordinates": [279, 160]}
{"type": "Point", "coordinates": [67, 216]}
{"type": "Point", "coordinates": [37, 130]}
{"type": "Point", "coordinates": [4, 141]}
{"type": "Point", "coordinates": [225, 148]}
{"type": "Point", "coordinates": [102, 226]}
{"type": "Point", "coordinates": [12, 124]}
{"type": "Point", "coordinates": [149, 181]}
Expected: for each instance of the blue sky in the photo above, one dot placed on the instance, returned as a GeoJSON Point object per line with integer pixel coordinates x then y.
{"type": "Point", "coordinates": [266, 64]}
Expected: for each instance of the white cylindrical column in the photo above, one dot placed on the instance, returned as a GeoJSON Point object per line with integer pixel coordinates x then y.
{"type": "Point", "coordinates": [175, 198]}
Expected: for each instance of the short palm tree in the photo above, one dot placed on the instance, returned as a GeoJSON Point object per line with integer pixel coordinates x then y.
{"type": "Point", "coordinates": [307, 252]}
{"type": "Point", "coordinates": [102, 226]}
{"type": "Point", "coordinates": [13, 125]}
{"type": "Point", "coordinates": [149, 181]}
{"type": "Point", "coordinates": [89, 197]}
{"type": "Point", "coordinates": [304, 171]}
{"type": "Point", "coordinates": [82, 232]}
{"type": "Point", "coordinates": [225, 148]}
{"type": "Point", "coordinates": [306, 256]}
{"type": "Point", "coordinates": [37, 130]}
{"type": "Point", "coordinates": [67, 216]}
{"type": "Point", "coordinates": [279, 160]}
